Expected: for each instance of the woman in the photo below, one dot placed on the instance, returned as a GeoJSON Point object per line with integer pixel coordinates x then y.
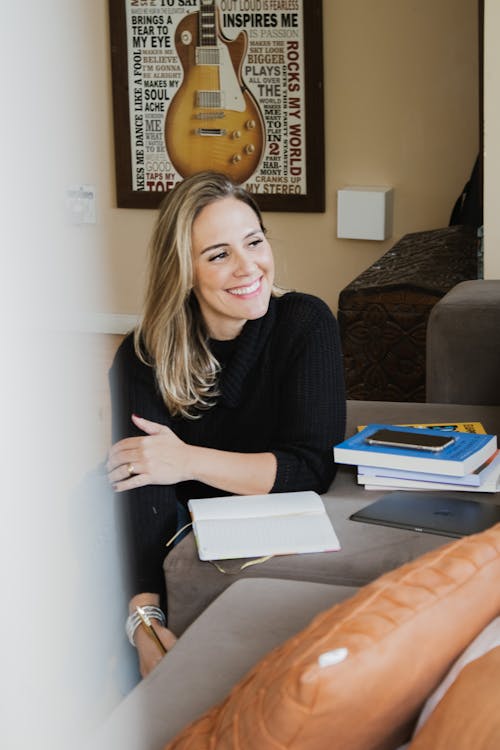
{"type": "Point", "coordinates": [226, 385]}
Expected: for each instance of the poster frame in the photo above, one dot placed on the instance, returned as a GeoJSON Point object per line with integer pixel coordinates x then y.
{"type": "Point", "coordinates": [313, 200]}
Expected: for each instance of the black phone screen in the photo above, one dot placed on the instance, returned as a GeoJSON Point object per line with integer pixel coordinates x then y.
{"type": "Point", "coordinates": [402, 439]}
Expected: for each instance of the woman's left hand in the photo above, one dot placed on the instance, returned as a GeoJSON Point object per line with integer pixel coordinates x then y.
{"type": "Point", "coordinates": [158, 457]}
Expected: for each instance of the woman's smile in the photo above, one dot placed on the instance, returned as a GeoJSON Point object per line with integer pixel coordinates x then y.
{"type": "Point", "coordinates": [246, 290]}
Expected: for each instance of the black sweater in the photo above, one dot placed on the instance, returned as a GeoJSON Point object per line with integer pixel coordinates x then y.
{"type": "Point", "coordinates": [282, 391]}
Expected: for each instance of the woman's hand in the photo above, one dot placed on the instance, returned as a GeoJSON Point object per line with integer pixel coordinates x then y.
{"type": "Point", "coordinates": [158, 457]}
{"type": "Point", "coordinates": [147, 650]}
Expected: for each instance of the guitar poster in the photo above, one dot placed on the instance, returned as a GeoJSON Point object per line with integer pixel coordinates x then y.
{"type": "Point", "coordinates": [229, 85]}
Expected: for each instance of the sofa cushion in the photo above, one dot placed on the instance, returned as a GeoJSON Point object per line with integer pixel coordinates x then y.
{"type": "Point", "coordinates": [488, 639]}
{"type": "Point", "coordinates": [398, 635]}
{"type": "Point", "coordinates": [467, 716]}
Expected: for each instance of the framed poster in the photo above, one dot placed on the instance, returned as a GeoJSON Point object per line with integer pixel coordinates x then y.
{"type": "Point", "coordinates": [230, 85]}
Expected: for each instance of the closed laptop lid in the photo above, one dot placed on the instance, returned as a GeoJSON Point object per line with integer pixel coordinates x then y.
{"type": "Point", "coordinates": [446, 513]}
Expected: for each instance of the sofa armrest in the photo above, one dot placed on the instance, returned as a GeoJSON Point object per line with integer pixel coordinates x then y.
{"type": "Point", "coordinates": [231, 635]}
{"type": "Point", "coordinates": [463, 353]}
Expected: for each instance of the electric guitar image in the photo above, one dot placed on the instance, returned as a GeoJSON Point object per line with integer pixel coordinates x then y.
{"type": "Point", "coordinates": [213, 121]}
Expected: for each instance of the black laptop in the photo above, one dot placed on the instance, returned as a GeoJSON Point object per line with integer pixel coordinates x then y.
{"type": "Point", "coordinates": [445, 513]}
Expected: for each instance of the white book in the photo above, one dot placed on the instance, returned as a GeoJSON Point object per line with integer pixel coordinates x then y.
{"type": "Point", "coordinates": [475, 479]}
{"type": "Point", "coordinates": [490, 484]}
{"type": "Point", "coordinates": [240, 526]}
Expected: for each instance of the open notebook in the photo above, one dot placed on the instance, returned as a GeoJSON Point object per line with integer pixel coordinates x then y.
{"type": "Point", "coordinates": [257, 525]}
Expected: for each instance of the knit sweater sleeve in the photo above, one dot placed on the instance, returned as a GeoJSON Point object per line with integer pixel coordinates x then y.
{"type": "Point", "coordinates": [149, 514]}
{"type": "Point", "coordinates": [312, 408]}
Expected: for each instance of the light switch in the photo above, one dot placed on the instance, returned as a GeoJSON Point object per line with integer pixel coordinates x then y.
{"type": "Point", "coordinates": [80, 204]}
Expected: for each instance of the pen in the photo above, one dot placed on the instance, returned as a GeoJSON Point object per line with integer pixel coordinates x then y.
{"type": "Point", "coordinates": [146, 621]}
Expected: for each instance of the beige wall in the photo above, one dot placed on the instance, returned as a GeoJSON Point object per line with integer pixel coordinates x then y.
{"type": "Point", "coordinates": [401, 109]}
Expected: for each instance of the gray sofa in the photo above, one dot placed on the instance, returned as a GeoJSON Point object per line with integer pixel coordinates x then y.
{"type": "Point", "coordinates": [227, 622]}
{"type": "Point", "coordinates": [367, 550]}
{"type": "Point", "coordinates": [463, 352]}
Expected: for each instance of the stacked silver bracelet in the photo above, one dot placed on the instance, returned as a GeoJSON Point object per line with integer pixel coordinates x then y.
{"type": "Point", "coordinates": [134, 620]}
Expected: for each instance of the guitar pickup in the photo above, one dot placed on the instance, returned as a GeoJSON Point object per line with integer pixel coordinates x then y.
{"type": "Point", "coordinates": [208, 99]}
{"type": "Point", "coordinates": [210, 115]}
{"type": "Point", "coordinates": [208, 55]}
{"type": "Point", "coordinates": [211, 131]}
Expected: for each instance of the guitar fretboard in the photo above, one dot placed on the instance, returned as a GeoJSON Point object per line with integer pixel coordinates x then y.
{"type": "Point", "coordinates": [208, 30]}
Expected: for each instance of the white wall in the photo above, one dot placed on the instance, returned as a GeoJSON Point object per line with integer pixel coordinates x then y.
{"type": "Point", "coordinates": [64, 660]}
{"type": "Point", "coordinates": [491, 141]}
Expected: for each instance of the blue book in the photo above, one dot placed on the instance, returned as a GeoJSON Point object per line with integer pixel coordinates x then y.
{"type": "Point", "coordinates": [467, 452]}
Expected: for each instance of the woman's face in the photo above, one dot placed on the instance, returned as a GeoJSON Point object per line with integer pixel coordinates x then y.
{"type": "Point", "coordinates": [233, 266]}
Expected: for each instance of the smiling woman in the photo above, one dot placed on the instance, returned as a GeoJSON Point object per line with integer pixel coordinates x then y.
{"type": "Point", "coordinates": [226, 386]}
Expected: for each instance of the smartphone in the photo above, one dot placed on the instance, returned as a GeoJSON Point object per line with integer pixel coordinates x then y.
{"type": "Point", "coordinates": [413, 440]}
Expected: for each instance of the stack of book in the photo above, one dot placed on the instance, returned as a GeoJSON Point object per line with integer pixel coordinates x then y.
{"type": "Point", "coordinates": [471, 462]}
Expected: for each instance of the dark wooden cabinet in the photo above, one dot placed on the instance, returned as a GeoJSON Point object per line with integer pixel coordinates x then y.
{"type": "Point", "coordinates": [383, 313]}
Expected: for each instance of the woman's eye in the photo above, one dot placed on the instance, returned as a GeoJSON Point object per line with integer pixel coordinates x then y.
{"type": "Point", "coordinates": [218, 256]}
{"type": "Point", "coordinates": [256, 242]}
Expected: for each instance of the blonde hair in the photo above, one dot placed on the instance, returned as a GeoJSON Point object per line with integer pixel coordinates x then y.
{"type": "Point", "coordinates": [172, 336]}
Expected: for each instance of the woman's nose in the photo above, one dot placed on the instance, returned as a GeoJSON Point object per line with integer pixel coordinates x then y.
{"type": "Point", "coordinates": [244, 265]}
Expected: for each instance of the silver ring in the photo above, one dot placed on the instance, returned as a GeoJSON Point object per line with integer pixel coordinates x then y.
{"type": "Point", "coordinates": [130, 469]}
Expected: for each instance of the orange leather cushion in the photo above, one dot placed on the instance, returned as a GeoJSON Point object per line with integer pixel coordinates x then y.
{"type": "Point", "coordinates": [468, 715]}
{"type": "Point", "coordinates": [402, 633]}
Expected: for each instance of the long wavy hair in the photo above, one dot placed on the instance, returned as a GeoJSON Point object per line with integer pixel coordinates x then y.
{"type": "Point", "coordinates": [172, 336]}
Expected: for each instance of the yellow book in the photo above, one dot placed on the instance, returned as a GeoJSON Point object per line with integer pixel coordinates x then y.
{"type": "Point", "coordinates": [475, 427]}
